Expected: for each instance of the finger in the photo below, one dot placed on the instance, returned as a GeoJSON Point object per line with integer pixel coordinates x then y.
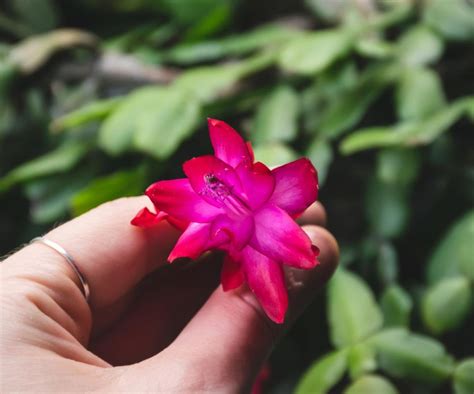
{"type": "Point", "coordinates": [231, 336]}
{"type": "Point", "coordinates": [112, 254]}
{"type": "Point", "coordinates": [315, 214]}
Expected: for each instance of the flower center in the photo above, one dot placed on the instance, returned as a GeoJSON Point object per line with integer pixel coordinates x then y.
{"type": "Point", "coordinates": [224, 195]}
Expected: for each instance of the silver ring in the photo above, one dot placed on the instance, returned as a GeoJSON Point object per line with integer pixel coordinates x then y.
{"type": "Point", "coordinates": [70, 260]}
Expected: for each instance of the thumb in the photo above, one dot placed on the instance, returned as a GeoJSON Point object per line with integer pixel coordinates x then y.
{"type": "Point", "coordinates": [226, 343]}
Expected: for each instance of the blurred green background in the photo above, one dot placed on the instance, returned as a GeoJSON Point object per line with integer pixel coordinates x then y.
{"type": "Point", "coordinates": [100, 98]}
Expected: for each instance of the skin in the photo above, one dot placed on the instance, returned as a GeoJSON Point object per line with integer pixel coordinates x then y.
{"type": "Point", "coordinates": [150, 326]}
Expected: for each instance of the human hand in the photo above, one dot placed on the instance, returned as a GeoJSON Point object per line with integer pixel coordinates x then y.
{"type": "Point", "coordinates": [150, 326]}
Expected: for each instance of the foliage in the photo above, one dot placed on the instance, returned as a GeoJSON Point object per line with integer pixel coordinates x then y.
{"type": "Point", "coordinates": [377, 95]}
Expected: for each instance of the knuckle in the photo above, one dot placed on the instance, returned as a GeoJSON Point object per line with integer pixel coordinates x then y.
{"type": "Point", "coordinates": [26, 289]}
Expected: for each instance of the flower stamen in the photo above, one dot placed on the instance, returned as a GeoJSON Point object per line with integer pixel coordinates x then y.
{"type": "Point", "coordinates": [223, 194]}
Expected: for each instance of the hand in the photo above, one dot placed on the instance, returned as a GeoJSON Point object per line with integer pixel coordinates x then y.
{"type": "Point", "coordinates": [150, 326]}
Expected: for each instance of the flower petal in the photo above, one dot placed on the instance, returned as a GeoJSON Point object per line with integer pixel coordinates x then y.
{"type": "Point", "coordinates": [249, 147]}
{"type": "Point", "coordinates": [239, 231]}
{"type": "Point", "coordinates": [196, 240]}
{"type": "Point", "coordinates": [257, 181]}
{"type": "Point", "coordinates": [279, 237]}
{"type": "Point", "coordinates": [228, 145]}
{"type": "Point", "coordinates": [212, 179]}
{"type": "Point", "coordinates": [296, 186]}
{"type": "Point", "coordinates": [178, 199]}
{"type": "Point", "coordinates": [232, 276]}
{"type": "Point", "coordinates": [265, 278]}
{"type": "Point", "coordinates": [146, 219]}
{"type": "Point", "coordinates": [179, 224]}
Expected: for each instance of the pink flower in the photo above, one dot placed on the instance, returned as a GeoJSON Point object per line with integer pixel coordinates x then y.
{"type": "Point", "coordinates": [231, 203]}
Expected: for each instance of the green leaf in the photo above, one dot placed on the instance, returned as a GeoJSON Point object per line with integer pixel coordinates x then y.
{"type": "Point", "coordinates": [277, 116]}
{"type": "Point", "coordinates": [446, 304]}
{"type": "Point", "coordinates": [378, 137]}
{"type": "Point", "coordinates": [116, 132]}
{"type": "Point", "coordinates": [387, 208]}
{"type": "Point", "coordinates": [230, 46]}
{"type": "Point", "coordinates": [39, 16]}
{"type": "Point", "coordinates": [347, 112]}
{"type": "Point", "coordinates": [407, 355]}
{"type": "Point", "coordinates": [316, 51]}
{"type": "Point", "coordinates": [419, 46]}
{"type": "Point", "coordinates": [371, 384]}
{"type": "Point", "coordinates": [174, 117]}
{"type": "Point", "coordinates": [421, 132]}
{"type": "Point", "coordinates": [134, 39]}
{"type": "Point", "coordinates": [453, 255]}
{"type": "Point", "coordinates": [419, 94]}
{"type": "Point", "coordinates": [396, 306]}
{"type": "Point", "coordinates": [274, 154]}
{"type": "Point", "coordinates": [353, 312]}
{"type": "Point", "coordinates": [32, 53]}
{"type": "Point", "coordinates": [470, 108]}
{"type": "Point", "coordinates": [397, 12]}
{"type": "Point", "coordinates": [94, 111]}
{"type": "Point", "coordinates": [208, 83]}
{"type": "Point", "coordinates": [431, 128]}
{"type": "Point", "coordinates": [347, 108]}
{"type": "Point", "coordinates": [361, 360]}
{"type": "Point", "coordinates": [374, 47]}
{"type": "Point", "coordinates": [321, 155]}
{"type": "Point", "coordinates": [323, 374]}
{"type": "Point", "coordinates": [343, 77]}
{"type": "Point", "coordinates": [331, 11]}
{"type": "Point", "coordinates": [188, 11]}
{"type": "Point", "coordinates": [387, 263]}
{"type": "Point", "coordinates": [348, 12]}
{"type": "Point", "coordinates": [463, 380]}
{"type": "Point", "coordinates": [106, 188]}
{"type": "Point", "coordinates": [212, 22]}
{"type": "Point", "coordinates": [398, 166]}
{"type": "Point", "coordinates": [61, 159]}
{"type": "Point", "coordinates": [8, 73]}
{"type": "Point", "coordinates": [453, 19]}
{"type": "Point", "coordinates": [154, 119]}
{"type": "Point", "coordinates": [331, 85]}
